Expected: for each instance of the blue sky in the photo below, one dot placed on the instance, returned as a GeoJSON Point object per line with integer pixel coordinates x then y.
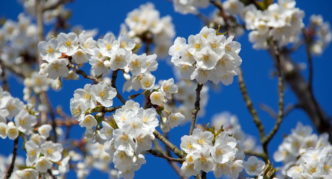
{"type": "Point", "coordinates": [107, 15]}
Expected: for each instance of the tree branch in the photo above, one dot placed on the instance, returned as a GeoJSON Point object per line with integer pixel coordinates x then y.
{"type": "Point", "coordinates": [113, 83]}
{"type": "Point", "coordinates": [250, 105]}
{"type": "Point", "coordinates": [160, 154]}
{"type": "Point", "coordinates": [12, 163]}
{"type": "Point", "coordinates": [176, 150]}
{"type": "Point", "coordinates": [197, 107]}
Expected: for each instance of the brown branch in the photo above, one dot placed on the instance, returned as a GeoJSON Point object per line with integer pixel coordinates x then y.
{"type": "Point", "coordinates": [197, 107]}
{"type": "Point", "coordinates": [5, 84]}
{"type": "Point", "coordinates": [12, 163]}
{"type": "Point", "coordinates": [160, 154]}
{"type": "Point", "coordinates": [113, 83]}
{"type": "Point", "coordinates": [176, 150]}
{"type": "Point", "coordinates": [306, 99]}
{"type": "Point", "coordinates": [250, 106]}
{"type": "Point", "coordinates": [280, 117]}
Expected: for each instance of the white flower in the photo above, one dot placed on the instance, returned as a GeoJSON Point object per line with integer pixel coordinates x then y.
{"type": "Point", "coordinates": [57, 68]}
{"type": "Point", "coordinates": [10, 106]}
{"type": "Point", "coordinates": [107, 131]}
{"type": "Point", "coordinates": [98, 67]}
{"type": "Point", "coordinates": [12, 131]}
{"type": "Point", "coordinates": [106, 44]}
{"type": "Point", "coordinates": [254, 166]}
{"type": "Point", "coordinates": [89, 121]}
{"type": "Point", "coordinates": [43, 164]}
{"type": "Point", "coordinates": [203, 160]}
{"type": "Point", "coordinates": [45, 130]}
{"type": "Point", "coordinates": [80, 57]}
{"type": "Point", "coordinates": [104, 93]}
{"type": "Point", "coordinates": [25, 121]}
{"type": "Point", "coordinates": [119, 59]}
{"type": "Point", "coordinates": [67, 43]}
{"type": "Point", "coordinates": [157, 98]}
{"type": "Point", "coordinates": [33, 152]}
{"type": "Point", "coordinates": [147, 81]}
{"type": "Point", "coordinates": [48, 50]}
{"type": "Point", "coordinates": [223, 153]}
{"type": "Point", "coordinates": [3, 130]}
{"type": "Point", "coordinates": [189, 6]}
{"type": "Point", "coordinates": [52, 151]}
{"type": "Point", "coordinates": [168, 86]}
{"type": "Point", "coordinates": [28, 173]}
{"type": "Point", "coordinates": [86, 42]}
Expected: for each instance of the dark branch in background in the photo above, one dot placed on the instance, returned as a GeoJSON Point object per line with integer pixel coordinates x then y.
{"type": "Point", "coordinates": [306, 99]}
{"type": "Point", "coordinates": [12, 163]}
{"type": "Point", "coordinates": [197, 107]}
{"type": "Point", "coordinates": [293, 77]}
{"type": "Point", "coordinates": [5, 84]}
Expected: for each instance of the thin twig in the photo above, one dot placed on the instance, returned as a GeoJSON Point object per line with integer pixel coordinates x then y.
{"type": "Point", "coordinates": [160, 154]}
{"type": "Point", "coordinates": [197, 107]}
{"type": "Point", "coordinates": [176, 150]}
{"type": "Point", "coordinates": [113, 83]}
{"type": "Point", "coordinates": [281, 87]}
{"type": "Point", "coordinates": [12, 163]}
{"type": "Point", "coordinates": [250, 106]}
{"type": "Point", "coordinates": [280, 118]}
{"type": "Point", "coordinates": [5, 84]}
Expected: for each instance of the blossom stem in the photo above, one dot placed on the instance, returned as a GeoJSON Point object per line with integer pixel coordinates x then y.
{"type": "Point", "coordinates": [176, 150]}
{"type": "Point", "coordinates": [281, 92]}
{"type": "Point", "coordinates": [160, 154]}
{"type": "Point", "coordinates": [250, 106]}
{"type": "Point", "coordinates": [197, 107]}
{"type": "Point", "coordinates": [12, 163]}
{"type": "Point", "coordinates": [113, 83]}
{"type": "Point", "coordinates": [5, 84]}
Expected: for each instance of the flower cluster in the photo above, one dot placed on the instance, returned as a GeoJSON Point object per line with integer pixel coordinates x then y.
{"type": "Point", "coordinates": [281, 22]}
{"type": "Point", "coordinates": [189, 6]}
{"type": "Point", "coordinates": [18, 44]}
{"type": "Point", "coordinates": [322, 36]}
{"type": "Point", "coordinates": [133, 136]}
{"type": "Point", "coordinates": [305, 154]}
{"type": "Point", "coordinates": [207, 57]}
{"type": "Point", "coordinates": [41, 153]}
{"type": "Point", "coordinates": [88, 98]}
{"type": "Point", "coordinates": [230, 124]}
{"type": "Point", "coordinates": [146, 24]}
{"type": "Point", "coordinates": [14, 117]}
{"type": "Point", "coordinates": [206, 152]}
{"type": "Point", "coordinates": [104, 55]}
